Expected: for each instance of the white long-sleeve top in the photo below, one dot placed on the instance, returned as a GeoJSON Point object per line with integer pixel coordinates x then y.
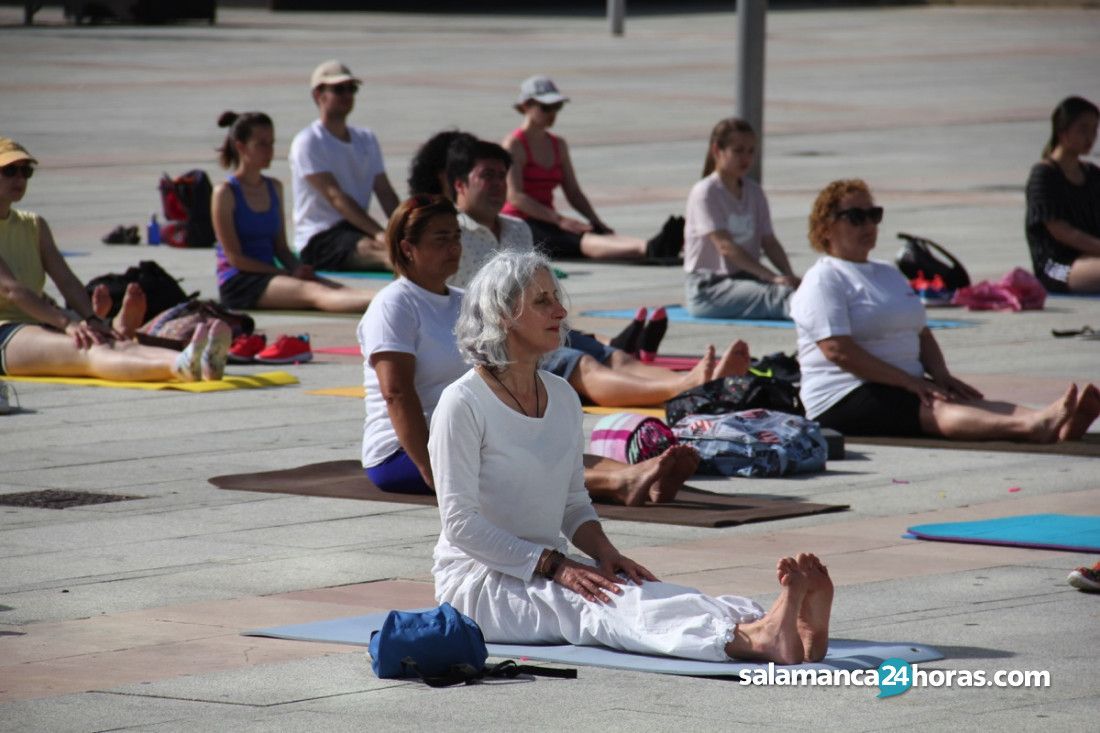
{"type": "Point", "coordinates": [508, 485]}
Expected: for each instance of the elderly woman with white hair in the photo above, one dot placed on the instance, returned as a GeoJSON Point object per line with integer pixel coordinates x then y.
{"type": "Point", "coordinates": [506, 445]}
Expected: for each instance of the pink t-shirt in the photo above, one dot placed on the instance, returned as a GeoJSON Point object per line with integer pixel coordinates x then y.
{"type": "Point", "coordinates": [711, 208]}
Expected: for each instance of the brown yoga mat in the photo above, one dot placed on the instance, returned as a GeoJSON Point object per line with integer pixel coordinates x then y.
{"type": "Point", "coordinates": [692, 507]}
{"type": "Point", "coordinates": [1088, 446]}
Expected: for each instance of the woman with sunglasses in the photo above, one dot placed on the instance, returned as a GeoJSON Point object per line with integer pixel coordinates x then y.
{"type": "Point", "coordinates": [40, 339]}
{"type": "Point", "coordinates": [541, 163]}
{"type": "Point", "coordinates": [409, 356]}
{"type": "Point", "coordinates": [1063, 203]}
{"type": "Point", "coordinates": [248, 221]}
{"type": "Point", "coordinates": [728, 227]}
{"type": "Point", "coordinates": [870, 364]}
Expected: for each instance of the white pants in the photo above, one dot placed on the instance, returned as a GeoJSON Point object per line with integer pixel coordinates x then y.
{"type": "Point", "coordinates": [653, 618]}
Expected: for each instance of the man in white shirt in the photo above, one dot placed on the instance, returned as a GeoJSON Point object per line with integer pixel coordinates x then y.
{"type": "Point", "coordinates": [477, 172]}
{"type": "Point", "coordinates": [335, 168]}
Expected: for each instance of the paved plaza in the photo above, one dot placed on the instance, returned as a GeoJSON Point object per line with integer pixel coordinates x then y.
{"type": "Point", "coordinates": [126, 616]}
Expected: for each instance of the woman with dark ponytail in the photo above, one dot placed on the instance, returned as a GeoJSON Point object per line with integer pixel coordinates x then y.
{"type": "Point", "coordinates": [1063, 203]}
{"type": "Point", "coordinates": [248, 221]}
{"type": "Point", "coordinates": [728, 227]}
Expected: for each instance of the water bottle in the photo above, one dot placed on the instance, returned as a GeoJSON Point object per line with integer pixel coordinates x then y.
{"type": "Point", "coordinates": [153, 230]}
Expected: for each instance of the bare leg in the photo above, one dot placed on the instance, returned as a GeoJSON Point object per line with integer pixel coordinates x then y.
{"type": "Point", "coordinates": [369, 254]}
{"type": "Point", "coordinates": [611, 246]}
{"type": "Point", "coordinates": [36, 351]}
{"type": "Point", "coordinates": [1084, 413]}
{"type": "Point", "coordinates": [985, 420]}
{"type": "Point", "coordinates": [775, 638]}
{"type": "Point", "coordinates": [292, 293]}
{"type": "Point", "coordinates": [813, 616]}
{"type": "Point", "coordinates": [1084, 275]}
{"type": "Point", "coordinates": [635, 383]}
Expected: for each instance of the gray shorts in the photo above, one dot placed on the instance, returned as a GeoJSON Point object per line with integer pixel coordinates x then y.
{"type": "Point", "coordinates": [563, 361]}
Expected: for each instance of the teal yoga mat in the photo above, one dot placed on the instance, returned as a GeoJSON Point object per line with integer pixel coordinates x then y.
{"type": "Point", "coordinates": [1070, 532]}
{"type": "Point", "coordinates": [843, 653]}
{"type": "Point", "coordinates": [677, 314]}
{"type": "Point", "coordinates": [358, 274]}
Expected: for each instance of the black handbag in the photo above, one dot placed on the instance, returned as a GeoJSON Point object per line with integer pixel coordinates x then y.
{"type": "Point", "coordinates": [733, 394]}
{"type": "Point", "coordinates": [918, 256]}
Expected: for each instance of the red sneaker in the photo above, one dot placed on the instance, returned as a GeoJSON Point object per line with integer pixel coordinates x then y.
{"type": "Point", "coordinates": [245, 347]}
{"type": "Point", "coordinates": [286, 350]}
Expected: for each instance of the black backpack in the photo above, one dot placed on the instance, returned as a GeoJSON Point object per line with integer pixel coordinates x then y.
{"type": "Point", "coordinates": [186, 203]}
{"type": "Point", "coordinates": [162, 291]}
{"type": "Point", "coordinates": [918, 256]}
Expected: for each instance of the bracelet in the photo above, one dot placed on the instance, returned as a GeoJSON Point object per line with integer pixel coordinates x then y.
{"type": "Point", "coordinates": [553, 563]}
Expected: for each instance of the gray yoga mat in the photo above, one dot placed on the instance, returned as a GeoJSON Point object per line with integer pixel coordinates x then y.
{"type": "Point", "coordinates": [843, 653]}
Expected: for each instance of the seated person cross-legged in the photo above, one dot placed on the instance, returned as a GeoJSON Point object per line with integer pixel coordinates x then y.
{"type": "Point", "coordinates": [870, 364]}
{"type": "Point", "coordinates": [505, 445]}
{"type": "Point", "coordinates": [409, 352]}
{"type": "Point", "coordinates": [40, 339]}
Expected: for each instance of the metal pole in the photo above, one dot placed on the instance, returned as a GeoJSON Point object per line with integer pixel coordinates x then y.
{"type": "Point", "coordinates": [751, 16]}
{"type": "Point", "coordinates": [616, 16]}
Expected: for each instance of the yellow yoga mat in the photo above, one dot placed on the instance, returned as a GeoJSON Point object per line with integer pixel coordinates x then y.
{"type": "Point", "coordinates": [356, 391]}
{"type": "Point", "coordinates": [230, 381]}
{"type": "Point", "coordinates": [650, 411]}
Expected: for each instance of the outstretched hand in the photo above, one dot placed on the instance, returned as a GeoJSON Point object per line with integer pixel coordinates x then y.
{"type": "Point", "coordinates": [574, 226]}
{"type": "Point", "coordinates": [958, 390]}
{"type": "Point", "coordinates": [615, 564]}
{"type": "Point", "coordinates": [589, 582]}
{"type": "Point", "coordinates": [86, 334]}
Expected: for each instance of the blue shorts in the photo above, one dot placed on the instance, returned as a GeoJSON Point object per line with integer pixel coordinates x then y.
{"type": "Point", "coordinates": [7, 330]}
{"type": "Point", "coordinates": [562, 362]}
{"type": "Point", "coordinates": [398, 475]}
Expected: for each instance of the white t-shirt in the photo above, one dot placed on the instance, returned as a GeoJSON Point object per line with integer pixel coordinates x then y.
{"type": "Point", "coordinates": [479, 244]}
{"type": "Point", "coordinates": [870, 301]}
{"type": "Point", "coordinates": [509, 485]}
{"type": "Point", "coordinates": [712, 208]}
{"type": "Point", "coordinates": [409, 319]}
{"type": "Point", "coordinates": [354, 164]}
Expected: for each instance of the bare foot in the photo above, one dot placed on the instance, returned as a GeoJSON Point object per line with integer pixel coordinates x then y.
{"type": "Point", "coordinates": [813, 616]}
{"type": "Point", "coordinates": [702, 372]}
{"type": "Point", "coordinates": [1084, 413]}
{"type": "Point", "coordinates": [684, 461]}
{"type": "Point", "coordinates": [735, 362]}
{"type": "Point", "coordinates": [775, 638]}
{"type": "Point", "coordinates": [1049, 421]}
{"type": "Point", "coordinates": [132, 313]}
{"type": "Point", "coordinates": [101, 301]}
{"type": "Point", "coordinates": [640, 479]}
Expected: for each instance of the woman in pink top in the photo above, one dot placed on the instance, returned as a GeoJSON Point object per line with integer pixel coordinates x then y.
{"type": "Point", "coordinates": [540, 163]}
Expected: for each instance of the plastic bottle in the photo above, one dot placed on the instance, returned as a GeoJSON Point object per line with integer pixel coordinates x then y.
{"type": "Point", "coordinates": [153, 230]}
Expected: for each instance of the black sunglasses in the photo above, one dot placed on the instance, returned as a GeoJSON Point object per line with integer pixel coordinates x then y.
{"type": "Point", "coordinates": [555, 107]}
{"type": "Point", "coordinates": [344, 88]}
{"type": "Point", "coordinates": [14, 169]}
{"type": "Point", "coordinates": [858, 217]}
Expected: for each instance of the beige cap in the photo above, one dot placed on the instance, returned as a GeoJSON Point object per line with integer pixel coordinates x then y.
{"type": "Point", "coordinates": [331, 72]}
{"type": "Point", "coordinates": [13, 152]}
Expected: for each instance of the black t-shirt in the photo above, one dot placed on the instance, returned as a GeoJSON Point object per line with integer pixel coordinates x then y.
{"type": "Point", "coordinates": [1050, 195]}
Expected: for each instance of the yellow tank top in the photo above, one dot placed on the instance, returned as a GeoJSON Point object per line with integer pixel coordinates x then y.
{"type": "Point", "coordinates": [19, 251]}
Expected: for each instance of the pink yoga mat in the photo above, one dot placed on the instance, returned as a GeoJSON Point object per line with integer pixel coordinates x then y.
{"type": "Point", "coordinates": [340, 351]}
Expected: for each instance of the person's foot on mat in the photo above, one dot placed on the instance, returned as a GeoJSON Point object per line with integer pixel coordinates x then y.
{"type": "Point", "coordinates": [813, 617]}
{"type": "Point", "coordinates": [188, 365]}
{"type": "Point", "coordinates": [685, 462]}
{"type": "Point", "coordinates": [774, 638]}
{"type": "Point", "coordinates": [652, 334]}
{"type": "Point", "coordinates": [216, 351]}
{"type": "Point", "coordinates": [631, 336]}
{"type": "Point", "coordinates": [1046, 427]}
{"type": "Point", "coordinates": [1085, 412]}
{"type": "Point", "coordinates": [1086, 579]}
{"type": "Point", "coordinates": [101, 301]}
{"type": "Point", "coordinates": [131, 315]}
{"type": "Point", "coordinates": [735, 362]}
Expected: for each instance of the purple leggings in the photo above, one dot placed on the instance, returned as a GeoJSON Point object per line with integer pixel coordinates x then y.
{"type": "Point", "coordinates": [399, 475]}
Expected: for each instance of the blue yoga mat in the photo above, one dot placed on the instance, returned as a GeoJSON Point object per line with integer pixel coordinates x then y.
{"type": "Point", "coordinates": [677, 314]}
{"type": "Point", "coordinates": [843, 653]}
{"type": "Point", "coordinates": [1070, 532]}
{"type": "Point", "coordinates": [359, 274]}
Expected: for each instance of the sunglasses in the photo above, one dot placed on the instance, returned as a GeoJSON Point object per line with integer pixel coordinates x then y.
{"type": "Point", "coordinates": [555, 107]}
{"type": "Point", "coordinates": [15, 169]}
{"type": "Point", "coordinates": [344, 88]}
{"type": "Point", "coordinates": [858, 217]}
